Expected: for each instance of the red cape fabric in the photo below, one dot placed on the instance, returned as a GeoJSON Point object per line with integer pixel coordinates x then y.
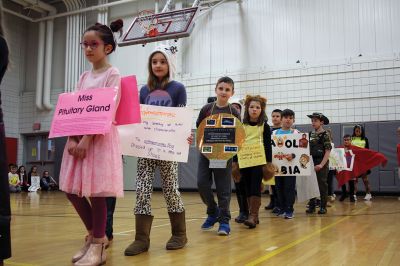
{"type": "Point", "coordinates": [364, 160]}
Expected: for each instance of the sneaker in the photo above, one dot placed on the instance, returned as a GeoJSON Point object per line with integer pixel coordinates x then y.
{"type": "Point", "coordinates": [343, 197]}
{"type": "Point", "coordinates": [281, 213]}
{"type": "Point", "coordinates": [288, 215]}
{"type": "Point", "coordinates": [352, 199]}
{"type": "Point", "coordinates": [368, 196]}
{"type": "Point", "coordinates": [224, 229]}
{"type": "Point", "coordinates": [332, 198]}
{"type": "Point", "coordinates": [322, 211]}
{"type": "Point", "coordinates": [241, 217]}
{"type": "Point", "coordinates": [209, 223]}
{"type": "Point", "coordinates": [317, 203]}
{"type": "Point", "coordinates": [276, 210]}
{"type": "Point", "coordinates": [355, 197]}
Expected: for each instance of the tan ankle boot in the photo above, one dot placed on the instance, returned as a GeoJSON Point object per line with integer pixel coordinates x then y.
{"type": "Point", "coordinates": [254, 207]}
{"type": "Point", "coordinates": [95, 256]}
{"type": "Point", "coordinates": [142, 236]}
{"type": "Point", "coordinates": [83, 250]}
{"type": "Point", "coordinates": [178, 228]}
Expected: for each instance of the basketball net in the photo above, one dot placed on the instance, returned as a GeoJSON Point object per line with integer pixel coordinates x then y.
{"type": "Point", "coordinates": [148, 22]}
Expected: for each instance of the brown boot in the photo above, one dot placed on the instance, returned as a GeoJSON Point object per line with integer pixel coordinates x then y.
{"type": "Point", "coordinates": [142, 236]}
{"type": "Point", "coordinates": [254, 207]}
{"type": "Point", "coordinates": [178, 229]}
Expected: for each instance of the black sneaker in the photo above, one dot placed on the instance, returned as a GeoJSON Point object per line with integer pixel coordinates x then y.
{"type": "Point", "coordinates": [241, 218]}
{"type": "Point", "coordinates": [343, 197]}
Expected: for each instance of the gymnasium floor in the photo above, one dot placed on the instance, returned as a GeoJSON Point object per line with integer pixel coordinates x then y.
{"type": "Point", "coordinates": [47, 231]}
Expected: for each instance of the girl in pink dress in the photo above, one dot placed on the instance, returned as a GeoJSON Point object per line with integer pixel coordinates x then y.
{"type": "Point", "coordinates": [91, 166]}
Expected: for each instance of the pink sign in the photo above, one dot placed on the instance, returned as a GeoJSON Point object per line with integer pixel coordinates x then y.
{"type": "Point", "coordinates": [128, 111]}
{"type": "Point", "coordinates": [84, 112]}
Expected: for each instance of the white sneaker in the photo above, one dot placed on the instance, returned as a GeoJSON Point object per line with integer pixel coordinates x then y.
{"type": "Point", "coordinates": [368, 196]}
{"type": "Point", "coordinates": [355, 197]}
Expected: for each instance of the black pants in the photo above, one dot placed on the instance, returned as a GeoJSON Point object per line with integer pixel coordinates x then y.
{"type": "Point", "coordinates": [252, 177]}
{"type": "Point", "coordinates": [110, 201]}
{"type": "Point", "coordinates": [5, 212]}
{"type": "Point", "coordinates": [286, 192]}
{"type": "Point", "coordinates": [351, 188]}
{"type": "Point", "coordinates": [222, 179]}
{"type": "Point", "coordinates": [331, 174]}
{"type": "Point", "coordinates": [242, 196]}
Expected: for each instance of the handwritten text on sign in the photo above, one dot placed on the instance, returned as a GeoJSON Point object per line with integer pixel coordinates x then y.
{"type": "Point", "coordinates": [291, 153]}
{"type": "Point", "coordinates": [162, 134]}
{"type": "Point", "coordinates": [251, 155]}
{"type": "Point", "coordinates": [84, 112]}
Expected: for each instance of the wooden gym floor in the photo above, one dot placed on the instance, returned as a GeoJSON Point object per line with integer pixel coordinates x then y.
{"type": "Point", "coordinates": [47, 231]}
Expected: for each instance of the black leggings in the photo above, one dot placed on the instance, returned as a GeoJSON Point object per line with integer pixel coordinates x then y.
{"type": "Point", "coordinates": [252, 177]}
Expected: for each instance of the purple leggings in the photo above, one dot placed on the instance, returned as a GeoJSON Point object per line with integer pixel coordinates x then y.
{"type": "Point", "coordinates": [93, 215]}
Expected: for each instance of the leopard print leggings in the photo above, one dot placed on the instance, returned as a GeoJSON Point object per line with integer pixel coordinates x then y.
{"type": "Point", "coordinates": [169, 177]}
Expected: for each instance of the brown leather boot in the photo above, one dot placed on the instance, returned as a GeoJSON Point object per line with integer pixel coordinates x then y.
{"type": "Point", "coordinates": [254, 207]}
{"type": "Point", "coordinates": [178, 229]}
{"type": "Point", "coordinates": [142, 236]}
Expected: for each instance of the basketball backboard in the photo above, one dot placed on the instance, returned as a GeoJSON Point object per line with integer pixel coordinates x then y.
{"type": "Point", "coordinates": [158, 27]}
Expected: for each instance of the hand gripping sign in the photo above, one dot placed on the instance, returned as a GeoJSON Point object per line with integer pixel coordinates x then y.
{"type": "Point", "coordinates": [219, 138]}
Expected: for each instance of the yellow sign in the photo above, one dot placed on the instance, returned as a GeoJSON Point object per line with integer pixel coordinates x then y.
{"type": "Point", "coordinates": [251, 155]}
{"type": "Point", "coordinates": [270, 182]}
{"type": "Point", "coordinates": [252, 152]}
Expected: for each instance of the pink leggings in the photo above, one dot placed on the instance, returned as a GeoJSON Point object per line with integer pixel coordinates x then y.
{"type": "Point", "coordinates": [93, 215]}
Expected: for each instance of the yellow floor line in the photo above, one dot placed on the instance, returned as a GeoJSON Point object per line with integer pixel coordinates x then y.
{"type": "Point", "coordinates": [300, 240]}
{"type": "Point", "coordinates": [18, 264]}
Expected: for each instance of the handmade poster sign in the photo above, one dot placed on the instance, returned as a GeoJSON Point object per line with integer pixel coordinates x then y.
{"type": "Point", "coordinates": [162, 134]}
{"type": "Point", "coordinates": [337, 160]}
{"type": "Point", "coordinates": [252, 152]}
{"type": "Point", "coordinates": [84, 112]}
{"type": "Point", "coordinates": [220, 137]}
{"type": "Point", "coordinates": [128, 111]}
{"type": "Point", "coordinates": [291, 154]}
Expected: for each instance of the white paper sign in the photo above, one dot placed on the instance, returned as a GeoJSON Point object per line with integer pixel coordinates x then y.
{"type": "Point", "coordinates": [162, 134]}
{"type": "Point", "coordinates": [295, 146]}
{"type": "Point", "coordinates": [337, 159]}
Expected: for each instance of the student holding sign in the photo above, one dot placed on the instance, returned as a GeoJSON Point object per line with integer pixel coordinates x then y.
{"type": "Point", "coordinates": [255, 154]}
{"type": "Point", "coordinates": [91, 165]}
{"type": "Point", "coordinates": [286, 185]}
{"type": "Point", "coordinates": [320, 148]}
{"type": "Point", "coordinates": [222, 176]}
{"type": "Point", "coordinates": [161, 90]}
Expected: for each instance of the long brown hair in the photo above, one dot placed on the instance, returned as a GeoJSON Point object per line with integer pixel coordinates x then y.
{"type": "Point", "coordinates": [152, 80]}
{"type": "Point", "coordinates": [263, 102]}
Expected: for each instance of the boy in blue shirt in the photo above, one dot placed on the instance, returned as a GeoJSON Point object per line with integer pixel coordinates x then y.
{"type": "Point", "coordinates": [286, 185]}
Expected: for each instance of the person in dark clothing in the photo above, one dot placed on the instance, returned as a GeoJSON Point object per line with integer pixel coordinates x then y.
{"type": "Point", "coordinates": [273, 205]}
{"type": "Point", "coordinates": [5, 211]}
{"type": "Point", "coordinates": [239, 185]}
{"type": "Point", "coordinates": [320, 148]}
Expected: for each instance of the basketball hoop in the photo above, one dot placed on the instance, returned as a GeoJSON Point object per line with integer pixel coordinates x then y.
{"type": "Point", "coordinates": [148, 22]}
